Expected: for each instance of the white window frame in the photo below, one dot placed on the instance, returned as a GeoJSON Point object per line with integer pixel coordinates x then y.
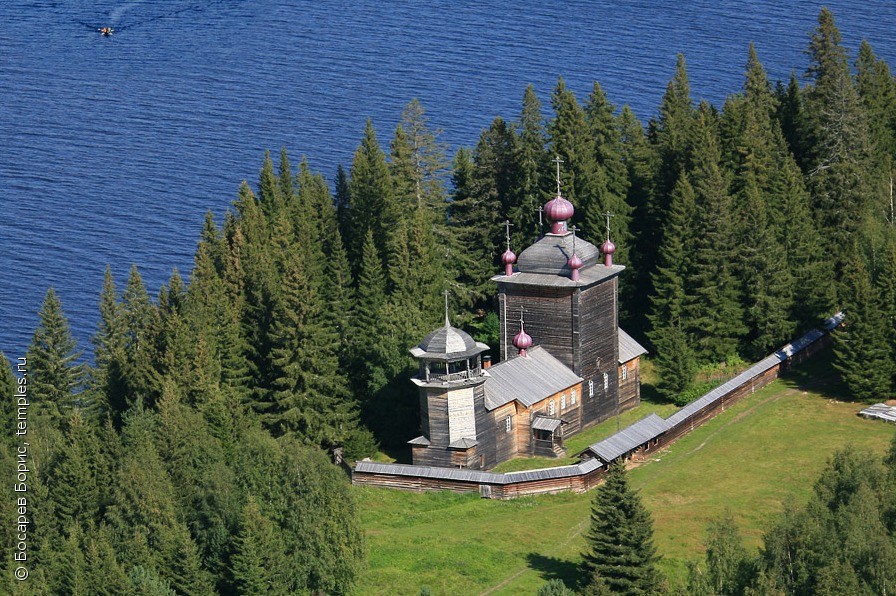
{"type": "Point", "coordinates": [562, 402]}
{"type": "Point", "coordinates": [572, 397]}
{"type": "Point", "coordinates": [591, 388]}
{"type": "Point", "coordinates": [606, 381]}
{"type": "Point", "coordinates": [552, 410]}
{"type": "Point", "coordinates": [624, 372]}
{"type": "Point", "coordinates": [508, 424]}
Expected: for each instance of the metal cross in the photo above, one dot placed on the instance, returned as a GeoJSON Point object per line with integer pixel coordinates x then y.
{"type": "Point", "coordinates": [574, 229]}
{"type": "Point", "coordinates": [558, 161]}
{"type": "Point", "coordinates": [521, 318]}
{"type": "Point", "coordinates": [507, 225]}
{"type": "Point", "coordinates": [447, 324]}
{"type": "Point", "coordinates": [608, 215]}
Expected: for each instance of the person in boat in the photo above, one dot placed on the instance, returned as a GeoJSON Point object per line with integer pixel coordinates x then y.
{"type": "Point", "coordinates": [106, 31]}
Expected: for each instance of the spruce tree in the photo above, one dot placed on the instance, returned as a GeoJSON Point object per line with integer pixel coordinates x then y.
{"type": "Point", "coordinates": [309, 396]}
{"type": "Point", "coordinates": [258, 562]}
{"type": "Point", "coordinates": [862, 352]}
{"type": "Point", "coordinates": [476, 209]}
{"type": "Point", "coordinates": [841, 168]}
{"type": "Point", "coordinates": [877, 90]}
{"type": "Point", "coordinates": [583, 183]}
{"type": "Point", "coordinates": [620, 552]}
{"type": "Point", "coordinates": [670, 303]}
{"type": "Point", "coordinates": [55, 373]}
{"type": "Point", "coordinates": [141, 321]}
{"type": "Point", "coordinates": [531, 188]}
{"type": "Point", "coordinates": [372, 203]}
{"type": "Point", "coordinates": [715, 314]}
{"type": "Point", "coordinates": [599, 113]}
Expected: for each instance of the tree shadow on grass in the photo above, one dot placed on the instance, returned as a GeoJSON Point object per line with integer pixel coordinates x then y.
{"type": "Point", "coordinates": [553, 568]}
{"type": "Point", "coordinates": [818, 375]}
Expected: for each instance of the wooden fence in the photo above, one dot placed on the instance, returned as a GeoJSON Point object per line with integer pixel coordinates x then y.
{"type": "Point", "coordinates": [633, 442]}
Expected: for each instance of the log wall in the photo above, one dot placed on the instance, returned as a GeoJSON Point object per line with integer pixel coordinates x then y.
{"type": "Point", "coordinates": [580, 477]}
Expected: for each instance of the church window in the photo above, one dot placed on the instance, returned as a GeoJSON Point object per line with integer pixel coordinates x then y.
{"type": "Point", "coordinates": [562, 402]}
{"type": "Point", "coordinates": [551, 409]}
{"type": "Point", "coordinates": [572, 397]}
{"type": "Point", "coordinates": [507, 424]}
{"type": "Point", "coordinates": [591, 388]}
{"type": "Point", "coordinates": [624, 371]}
{"type": "Point", "coordinates": [606, 381]}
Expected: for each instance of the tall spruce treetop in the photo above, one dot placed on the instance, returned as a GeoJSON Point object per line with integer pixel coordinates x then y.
{"type": "Point", "coordinates": [53, 361]}
{"type": "Point", "coordinates": [530, 190]}
{"type": "Point", "coordinates": [572, 142]}
{"type": "Point", "coordinates": [621, 554]}
{"type": "Point", "coordinates": [612, 173]}
{"type": "Point", "coordinates": [716, 309]}
{"type": "Point", "coordinates": [372, 197]}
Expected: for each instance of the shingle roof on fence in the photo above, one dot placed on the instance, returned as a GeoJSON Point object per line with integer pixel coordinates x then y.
{"type": "Point", "coordinates": [479, 476]}
{"type": "Point", "coordinates": [629, 438]}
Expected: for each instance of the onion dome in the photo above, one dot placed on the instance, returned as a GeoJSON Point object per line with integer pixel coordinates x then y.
{"type": "Point", "coordinates": [608, 248]}
{"type": "Point", "coordinates": [508, 258]}
{"type": "Point", "coordinates": [522, 340]}
{"type": "Point", "coordinates": [559, 210]}
{"type": "Point", "coordinates": [448, 343]}
{"type": "Point", "coordinates": [574, 264]}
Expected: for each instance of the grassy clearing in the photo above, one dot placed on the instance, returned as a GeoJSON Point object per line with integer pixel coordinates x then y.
{"type": "Point", "coordinates": [766, 449]}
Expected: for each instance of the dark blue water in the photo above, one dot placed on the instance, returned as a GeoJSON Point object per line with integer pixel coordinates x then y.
{"type": "Point", "coordinates": [112, 149]}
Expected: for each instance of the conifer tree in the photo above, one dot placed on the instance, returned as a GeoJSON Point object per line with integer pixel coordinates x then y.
{"type": "Point", "coordinates": [258, 562]}
{"type": "Point", "coordinates": [531, 188]}
{"type": "Point", "coordinates": [104, 575]}
{"type": "Point", "coordinates": [621, 554]}
{"type": "Point", "coordinates": [55, 373]}
{"type": "Point", "coordinates": [372, 202]}
{"type": "Point", "coordinates": [310, 399]}
{"type": "Point", "coordinates": [791, 116]}
{"type": "Point", "coordinates": [476, 208]}
{"type": "Point", "coordinates": [269, 188]}
{"type": "Point", "coordinates": [671, 279]}
{"type": "Point", "coordinates": [716, 317]}
{"type": "Point", "coordinates": [582, 182]}
{"type": "Point", "coordinates": [8, 386]}
{"type": "Point", "coordinates": [107, 376]}
{"type": "Point", "coordinates": [141, 319]}
{"type": "Point", "coordinates": [840, 173]}
{"type": "Point", "coordinates": [877, 90]}
{"type": "Point", "coordinates": [613, 189]}
{"type": "Point", "coordinates": [73, 476]}
{"type": "Point", "coordinates": [728, 567]}
{"type": "Point", "coordinates": [862, 352]}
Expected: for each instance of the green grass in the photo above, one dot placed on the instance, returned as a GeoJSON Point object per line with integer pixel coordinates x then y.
{"type": "Point", "coordinates": [752, 458]}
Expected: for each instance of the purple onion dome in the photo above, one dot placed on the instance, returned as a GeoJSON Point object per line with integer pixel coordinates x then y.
{"type": "Point", "coordinates": [522, 340]}
{"type": "Point", "coordinates": [508, 258]}
{"type": "Point", "coordinates": [575, 262]}
{"type": "Point", "coordinates": [608, 248]}
{"type": "Point", "coordinates": [559, 209]}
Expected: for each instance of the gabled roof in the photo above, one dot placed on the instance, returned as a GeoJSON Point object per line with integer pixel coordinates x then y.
{"type": "Point", "coordinates": [421, 440]}
{"type": "Point", "coordinates": [527, 379]}
{"type": "Point", "coordinates": [629, 349]}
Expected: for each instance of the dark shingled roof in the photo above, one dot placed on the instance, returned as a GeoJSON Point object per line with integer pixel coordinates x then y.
{"type": "Point", "coordinates": [551, 253]}
{"type": "Point", "coordinates": [527, 379]}
{"type": "Point", "coordinates": [629, 349]}
{"type": "Point", "coordinates": [448, 343]}
{"type": "Point", "coordinates": [587, 277]}
{"type": "Point", "coordinates": [421, 440]}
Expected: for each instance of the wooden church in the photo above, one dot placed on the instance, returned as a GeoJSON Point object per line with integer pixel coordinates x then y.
{"type": "Point", "coordinates": [565, 364]}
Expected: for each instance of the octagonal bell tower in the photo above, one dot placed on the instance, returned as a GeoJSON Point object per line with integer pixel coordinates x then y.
{"type": "Point", "coordinates": [451, 382]}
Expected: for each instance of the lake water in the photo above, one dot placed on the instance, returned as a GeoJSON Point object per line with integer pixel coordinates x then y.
{"type": "Point", "coordinates": [113, 148]}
